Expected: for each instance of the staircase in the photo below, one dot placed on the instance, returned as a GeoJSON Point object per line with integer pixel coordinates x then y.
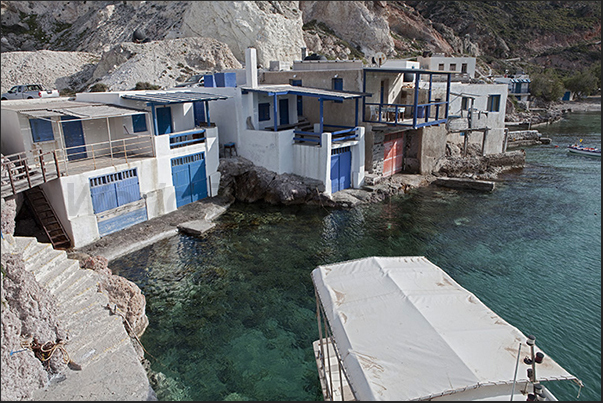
{"type": "Point", "coordinates": [97, 341]}
{"type": "Point", "coordinates": [47, 218]}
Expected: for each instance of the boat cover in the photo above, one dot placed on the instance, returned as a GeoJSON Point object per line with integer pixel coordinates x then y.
{"type": "Point", "coordinates": [406, 330]}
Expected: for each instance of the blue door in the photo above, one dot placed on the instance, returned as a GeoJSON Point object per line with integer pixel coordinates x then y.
{"type": "Point", "coordinates": [341, 168]}
{"type": "Point", "coordinates": [164, 120]}
{"type": "Point", "coordinates": [74, 137]}
{"type": "Point", "coordinates": [189, 178]}
{"type": "Point", "coordinates": [114, 190]}
{"type": "Point", "coordinates": [199, 109]}
{"type": "Point", "coordinates": [283, 110]}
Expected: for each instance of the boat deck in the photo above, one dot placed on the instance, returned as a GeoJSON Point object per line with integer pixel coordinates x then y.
{"type": "Point", "coordinates": [331, 378]}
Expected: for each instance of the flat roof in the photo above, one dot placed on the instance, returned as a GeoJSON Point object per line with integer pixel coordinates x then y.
{"type": "Point", "coordinates": [173, 97]}
{"type": "Point", "coordinates": [285, 89]}
{"type": "Point", "coordinates": [81, 110]}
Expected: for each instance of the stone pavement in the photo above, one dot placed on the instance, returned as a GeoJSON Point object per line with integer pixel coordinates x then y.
{"type": "Point", "coordinates": [193, 218]}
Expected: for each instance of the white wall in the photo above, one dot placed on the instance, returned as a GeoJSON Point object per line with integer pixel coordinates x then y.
{"type": "Point", "coordinates": [433, 62]}
{"type": "Point", "coordinates": [495, 121]}
{"type": "Point", "coordinates": [11, 139]}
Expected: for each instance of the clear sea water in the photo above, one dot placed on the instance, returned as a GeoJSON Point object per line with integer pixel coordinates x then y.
{"type": "Point", "coordinates": [232, 314]}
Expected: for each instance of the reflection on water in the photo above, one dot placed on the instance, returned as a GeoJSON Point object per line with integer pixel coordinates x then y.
{"type": "Point", "coordinates": [232, 314]}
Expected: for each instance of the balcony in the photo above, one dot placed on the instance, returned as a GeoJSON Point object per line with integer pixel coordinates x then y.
{"type": "Point", "coordinates": [22, 171]}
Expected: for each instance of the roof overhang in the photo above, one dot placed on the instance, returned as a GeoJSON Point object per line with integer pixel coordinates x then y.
{"type": "Point", "coordinates": [82, 111]}
{"type": "Point", "coordinates": [173, 97]}
{"type": "Point", "coordinates": [407, 70]}
{"type": "Point", "coordinates": [285, 89]}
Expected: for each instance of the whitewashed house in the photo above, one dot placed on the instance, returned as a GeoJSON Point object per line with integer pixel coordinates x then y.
{"type": "Point", "coordinates": [457, 65]}
{"type": "Point", "coordinates": [518, 86]}
{"type": "Point", "coordinates": [289, 128]}
{"type": "Point", "coordinates": [105, 161]}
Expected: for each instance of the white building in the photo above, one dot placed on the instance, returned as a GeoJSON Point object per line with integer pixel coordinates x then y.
{"type": "Point", "coordinates": [267, 125]}
{"type": "Point", "coordinates": [106, 161]}
{"type": "Point", "coordinates": [455, 64]}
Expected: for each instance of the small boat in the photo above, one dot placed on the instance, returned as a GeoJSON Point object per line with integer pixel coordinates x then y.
{"type": "Point", "coordinates": [578, 149]}
{"type": "Point", "coordinates": [400, 328]}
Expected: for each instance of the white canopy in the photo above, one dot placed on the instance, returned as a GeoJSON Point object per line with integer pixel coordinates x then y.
{"type": "Point", "coordinates": [406, 330]}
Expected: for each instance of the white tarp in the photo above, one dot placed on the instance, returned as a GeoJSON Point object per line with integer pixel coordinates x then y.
{"type": "Point", "coordinates": [406, 330]}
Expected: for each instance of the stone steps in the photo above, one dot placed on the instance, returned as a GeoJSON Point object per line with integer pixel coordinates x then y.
{"type": "Point", "coordinates": [97, 340]}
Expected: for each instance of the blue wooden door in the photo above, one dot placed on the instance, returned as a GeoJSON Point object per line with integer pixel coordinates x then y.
{"type": "Point", "coordinates": [73, 133]}
{"type": "Point", "coordinates": [127, 188]}
{"type": "Point", "coordinates": [164, 120]}
{"type": "Point", "coordinates": [341, 168]}
{"type": "Point", "coordinates": [198, 180]}
{"type": "Point", "coordinates": [283, 110]}
{"type": "Point", "coordinates": [199, 110]}
{"type": "Point", "coordinates": [114, 190]}
{"type": "Point", "coordinates": [189, 178]}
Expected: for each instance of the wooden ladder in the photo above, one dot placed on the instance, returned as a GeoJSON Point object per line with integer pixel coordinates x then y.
{"type": "Point", "coordinates": [47, 218]}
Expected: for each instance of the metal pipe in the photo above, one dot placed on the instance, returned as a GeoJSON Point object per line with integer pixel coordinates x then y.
{"type": "Point", "coordinates": [515, 376]}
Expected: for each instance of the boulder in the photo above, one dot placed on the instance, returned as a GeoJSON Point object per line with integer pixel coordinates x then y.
{"type": "Point", "coordinates": [123, 293]}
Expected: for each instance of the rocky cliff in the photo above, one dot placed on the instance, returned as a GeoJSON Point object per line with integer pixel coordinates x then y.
{"type": "Point", "coordinates": [99, 35]}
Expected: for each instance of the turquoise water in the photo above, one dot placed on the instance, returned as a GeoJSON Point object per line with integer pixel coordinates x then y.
{"type": "Point", "coordinates": [232, 314]}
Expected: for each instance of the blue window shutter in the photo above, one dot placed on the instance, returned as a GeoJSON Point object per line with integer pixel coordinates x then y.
{"type": "Point", "coordinates": [264, 111]}
{"type": "Point", "coordinates": [338, 84]}
{"type": "Point", "coordinates": [41, 130]}
{"type": "Point", "coordinates": [139, 123]}
{"type": "Point", "coordinates": [493, 103]}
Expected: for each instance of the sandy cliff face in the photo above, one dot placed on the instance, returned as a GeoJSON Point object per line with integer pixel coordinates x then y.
{"type": "Point", "coordinates": [274, 28]}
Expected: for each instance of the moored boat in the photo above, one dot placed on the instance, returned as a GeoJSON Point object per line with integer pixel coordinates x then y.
{"type": "Point", "coordinates": [400, 328]}
{"type": "Point", "coordinates": [578, 149]}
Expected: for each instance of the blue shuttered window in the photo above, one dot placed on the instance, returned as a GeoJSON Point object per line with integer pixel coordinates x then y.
{"type": "Point", "coordinates": [264, 111]}
{"type": "Point", "coordinates": [493, 103]}
{"type": "Point", "coordinates": [41, 130]}
{"type": "Point", "coordinates": [139, 123]}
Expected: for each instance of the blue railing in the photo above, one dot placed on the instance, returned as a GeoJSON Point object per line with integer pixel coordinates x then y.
{"type": "Point", "coordinates": [187, 138]}
{"type": "Point", "coordinates": [348, 133]}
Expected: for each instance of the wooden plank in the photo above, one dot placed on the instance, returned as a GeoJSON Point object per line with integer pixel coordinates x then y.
{"type": "Point", "coordinates": [328, 374]}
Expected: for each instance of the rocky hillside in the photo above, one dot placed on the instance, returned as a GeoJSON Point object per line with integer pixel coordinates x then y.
{"type": "Point", "coordinates": [178, 38]}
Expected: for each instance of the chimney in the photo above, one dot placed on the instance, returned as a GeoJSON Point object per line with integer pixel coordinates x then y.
{"type": "Point", "coordinates": [303, 50]}
{"type": "Point", "coordinates": [251, 67]}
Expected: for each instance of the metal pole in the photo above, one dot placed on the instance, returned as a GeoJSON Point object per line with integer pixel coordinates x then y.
{"type": "Point", "coordinates": [515, 376]}
{"type": "Point", "coordinates": [41, 158]}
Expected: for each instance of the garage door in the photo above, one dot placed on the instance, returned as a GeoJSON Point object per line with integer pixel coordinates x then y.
{"type": "Point", "coordinates": [341, 168]}
{"type": "Point", "coordinates": [393, 156]}
{"type": "Point", "coordinates": [189, 177]}
{"type": "Point", "coordinates": [116, 201]}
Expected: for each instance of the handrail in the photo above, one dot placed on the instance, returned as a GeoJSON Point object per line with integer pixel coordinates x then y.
{"type": "Point", "coordinates": [26, 169]}
{"type": "Point", "coordinates": [20, 170]}
{"type": "Point", "coordinates": [189, 138]}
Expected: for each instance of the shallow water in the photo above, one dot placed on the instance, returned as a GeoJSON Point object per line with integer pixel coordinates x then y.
{"type": "Point", "coordinates": [232, 314]}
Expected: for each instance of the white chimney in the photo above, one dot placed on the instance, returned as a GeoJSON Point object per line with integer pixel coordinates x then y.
{"type": "Point", "coordinates": [251, 67]}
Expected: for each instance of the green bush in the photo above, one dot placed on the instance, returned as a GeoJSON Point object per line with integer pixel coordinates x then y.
{"type": "Point", "coordinates": [146, 86]}
{"type": "Point", "coordinates": [547, 86]}
{"type": "Point", "coordinates": [99, 87]}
